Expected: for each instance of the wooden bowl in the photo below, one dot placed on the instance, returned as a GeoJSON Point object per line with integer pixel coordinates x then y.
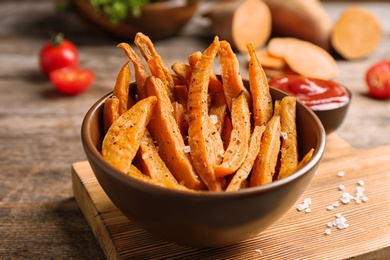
{"type": "Point", "coordinates": [205, 218]}
{"type": "Point", "coordinates": [157, 20]}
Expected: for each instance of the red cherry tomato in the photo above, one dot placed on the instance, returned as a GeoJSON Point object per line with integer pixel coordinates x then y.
{"type": "Point", "coordinates": [58, 53]}
{"type": "Point", "coordinates": [378, 79]}
{"type": "Point", "coordinates": [72, 81]}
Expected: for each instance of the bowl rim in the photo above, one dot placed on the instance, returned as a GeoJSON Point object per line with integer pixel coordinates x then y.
{"type": "Point", "coordinates": [131, 181]}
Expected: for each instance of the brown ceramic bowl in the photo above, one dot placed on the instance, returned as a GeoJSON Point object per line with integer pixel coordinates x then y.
{"type": "Point", "coordinates": [158, 20]}
{"type": "Point", "coordinates": [203, 219]}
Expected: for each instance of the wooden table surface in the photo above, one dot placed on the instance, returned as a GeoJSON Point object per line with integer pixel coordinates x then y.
{"type": "Point", "coordinates": [40, 128]}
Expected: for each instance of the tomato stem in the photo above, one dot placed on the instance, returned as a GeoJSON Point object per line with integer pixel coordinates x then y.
{"type": "Point", "coordinates": [57, 39]}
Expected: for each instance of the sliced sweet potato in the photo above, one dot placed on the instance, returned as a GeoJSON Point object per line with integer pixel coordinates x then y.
{"type": "Point", "coordinates": [307, 20]}
{"type": "Point", "coordinates": [231, 78]}
{"type": "Point", "coordinates": [306, 158]}
{"type": "Point", "coordinates": [289, 149]}
{"type": "Point", "coordinates": [240, 22]}
{"type": "Point", "coordinates": [198, 115]}
{"type": "Point", "coordinates": [258, 82]}
{"type": "Point", "coordinates": [264, 166]}
{"type": "Point", "coordinates": [140, 70]}
{"type": "Point", "coordinates": [167, 134]}
{"type": "Point", "coordinates": [304, 58]}
{"type": "Point", "coordinates": [269, 61]}
{"type": "Point", "coordinates": [356, 33]}
{"type": "Point", "coordinates": [239, 141]}
{"type": "Point", "coordinates": [245, 169]}
{"type": "Point", "coordinates": [123, 138]}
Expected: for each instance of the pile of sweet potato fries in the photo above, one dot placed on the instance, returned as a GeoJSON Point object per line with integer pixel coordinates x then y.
{"type": "Point", "coordinates": [193, 130]}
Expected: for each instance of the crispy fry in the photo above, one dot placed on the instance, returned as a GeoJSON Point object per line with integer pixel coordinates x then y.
{"type": "Point", "coordinates": [110, 110]}
{"type": "Point", "coordinates": [239, 141]}
{"type": "Point", "coordinates": [121, 88]}
{"type": "Point", "coordinates": [167, 134]}
{"type": "Point", "coordinates": [179, 113]}
{"type": "Point", "coordinates": [230, 74]}
{"type": "Point", "coordinates": [218, 109]}
{"type": "Point", "coordinates": [226, 131]}
{"type": "Point", "coordinates": [243, 172]}
{"type": "Point", "coordinates": [140, 71]}
{"type": "Point", "coordinates": [215, 85]}
{"type": "Point", "coordinates": [154, 166]}
{"type": "Point", "coordinates": [264, 166]}
{"type": "Point", "coordinates": [289, 150]}
{"type": "Point", "coordinates": [262, 100]}
{"type": "Point", "coordinates": [183, 71]}
{"type": "Point", "coordinates": [198, 116]}
{"type": "Point", "coordinates": [306, 158]}
{"type": "Point", "coordinates": [123, 138]}
{"type": "Point", "coordinates": [155, 63]}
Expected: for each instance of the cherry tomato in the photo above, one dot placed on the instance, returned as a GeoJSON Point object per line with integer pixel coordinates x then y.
{"type": "Point", "coordinates": [72, 81]}
{"type": "Point", "coordinates": [58, 53]}
{"type": "Point", "coordinates": [378, 79]}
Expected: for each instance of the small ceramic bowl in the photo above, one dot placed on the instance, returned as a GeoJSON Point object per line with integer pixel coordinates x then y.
{"type": "Point", "coordinates": [205, 218]}
{"type": "Point", "coordinates": [331, 114]}
{"type": "Point", "coordinates": [157, 20]}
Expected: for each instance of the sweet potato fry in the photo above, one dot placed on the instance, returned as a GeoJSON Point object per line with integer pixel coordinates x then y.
{"type": "Point", "coordinates": [262, 100]}
{"type": "Point", "coordinates": [140, 70]}
{"type": "Point", "coordinates": [136, 173]}
{"type": "Point", "coordinates": [306, 158]}
{"type": "Point", "coordinates": [121, 88]}
{"type": "Point", "coordinates": [243, 172]}
{"type": "Point", "coordinates": [226, 131]}
{"type": "Point", "coordinates": [154, 166]}
{"type": "Point", "coordinates": [183, 71]}
{"type": "Point", "coordinates": [198, 116]}
{"type": "Point", "coordinates": [180, 117]}
{"type": "Point", "coordinates": [167, 134]}
{"type": "Point", "coordinates": [215, 85]}
{"type": "Point", "coordinates": [230, 74]}
{"type": "Point", "coordinates": [289, 149]}
{"type": "Point", "coordinates": [110, 111]}
{"type": "Point", "coordinates": [155, 63]}
{"type": "Point", "coordinates": [264, 166]}
{"type": "Point", "coordinates": [239, 141]}
{"type": "Point", "coordinates": [218, 110]}
{"type": "Point", "coordinates": [123, 138]}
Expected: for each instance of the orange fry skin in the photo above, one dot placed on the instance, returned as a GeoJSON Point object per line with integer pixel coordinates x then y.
{"type": "Point", "coordinates": [166, 133]}
{"type": "Point", "coordinates": [140, 70]}
{"type": "Point", "coordinates": [239, 141]}
{"type": "Point", "coordinates": [121, 88]}
{"type": "Point", "coordinates": [245, 169]}
{"type": "Point", "coordinates": [264, 166]}
{"type": "Point", "coordinates": [262, 100]}
{"type": "Point", "coordinates": [123, 138]}
{"type": "Point", "coordinates": [198, 116]}
{"type": "Point", "coordinates": [231, 78]}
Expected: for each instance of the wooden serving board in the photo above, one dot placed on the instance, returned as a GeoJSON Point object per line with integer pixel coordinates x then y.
{"type": "Point", "coordinates": [297, 235]}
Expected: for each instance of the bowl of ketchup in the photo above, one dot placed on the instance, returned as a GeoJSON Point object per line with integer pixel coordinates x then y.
{"type": "Point", "coordinates": [328, 99]}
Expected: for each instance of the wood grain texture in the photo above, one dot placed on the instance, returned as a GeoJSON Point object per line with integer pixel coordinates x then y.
{"type": "Point", "coordinates": [297, 235]}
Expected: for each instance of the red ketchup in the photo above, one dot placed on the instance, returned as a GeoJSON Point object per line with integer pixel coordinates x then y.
{"type": "Point", "coordinates": [317, 94]}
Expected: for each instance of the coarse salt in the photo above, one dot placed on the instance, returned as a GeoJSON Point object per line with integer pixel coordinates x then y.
{"type": "Point", "coordinates": [341, 173]}
{"type": "Point", "coordinates": [214, 119]}
{"type": "Point", "coordinates": [341, 187]}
